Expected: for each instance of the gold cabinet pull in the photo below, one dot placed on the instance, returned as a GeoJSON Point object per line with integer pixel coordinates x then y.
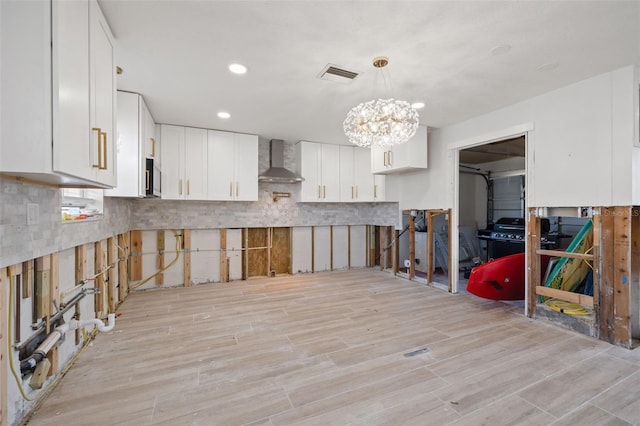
{"type": "Point", "coordinates": [384, 161]}
{"type": "Point", "coordinates": [153, 147]}
{"type": "Point", "coordinates": [391, 158]}
{"type": "Point", "coordinates": [237, 188]}
{"type": "Point", "coordinates": [352, 192]}
{"type": "Point", "coordinates": [230, 189]}
{"type": "Point", "coordinates": [319, 192]}
{"type": "Point", "coordinates": [375, 191]}
{"type": "Point", "coordinates": [324, 191]}
{"type": "Point", "coordinates": [99, 140]}
{"type": "Point", "coordinates": [180, 188]}
{"type": "Point", "coordinates": [356, 192]}
{"type": "Point", "coordinates": [146, 185]}
{"type": "Point", "coordinates": [104, 154]}
{"type": "Point", "coordinates": [188, 186]}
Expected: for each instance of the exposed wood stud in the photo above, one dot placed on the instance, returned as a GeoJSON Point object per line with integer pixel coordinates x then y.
{"type": "Point", "coordinates": [123, 261]}
{"type": "Point", "coordinates": [80, 274]}
{"type": "Point", "coordinates": [635, 273]}
{"type": "Point", "coordinates": [396, 250]}
{"type": "Point", "coordinates": [430, 247]}
{"type": "Point", "coordinates": [452, 268]}
{"type": "Point", "coordinates": [98, 267]}
{"type": "Point", "coordinates": [112, 274]}
{"type": "Point", "coordinates": [43, 301]}
{"type": "Point", "coordinates": [224, 264]}
{"type": "Point", "coordinates": [3, 347]}
{"type": "Point", "coordinates": [607, 322]}
{"type": "Point", "coordinates": [186, 246]}
{"type": "Point", "coordinates": [27, 279]}
{"type": "Point", "coordinates": [597, 270]}
{"type": "Point", "coordinates": [622, 277]}
{"type": "Point", "coordinates": [135, 256]}
{"type": "Point", "coordinates": [567, 296]}
{"type": "Point", "coordinates": [412, 246]}
{"type": "Point", "coordinates": [160, 256]}
{"type": "Point", "coordinates": [533, 261]}
{"type": "Point", "coordinates": [348, 246]}
{"type": "Point", "coordinates": [54, 295]}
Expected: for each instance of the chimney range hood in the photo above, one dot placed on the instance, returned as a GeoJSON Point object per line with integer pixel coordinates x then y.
{"type": "Point", "coordinates": [276, 172]}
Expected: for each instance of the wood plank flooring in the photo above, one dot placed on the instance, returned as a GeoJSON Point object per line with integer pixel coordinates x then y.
{"type": "Point", "coordinates": [329, 349]}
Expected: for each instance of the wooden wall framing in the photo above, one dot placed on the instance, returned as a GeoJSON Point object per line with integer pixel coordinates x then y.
{"type": "Point", "coordinates": [616, 268]}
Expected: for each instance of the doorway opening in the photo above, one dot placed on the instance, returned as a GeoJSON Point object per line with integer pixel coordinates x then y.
{"type": "Point", "coordinates": [491, 203]}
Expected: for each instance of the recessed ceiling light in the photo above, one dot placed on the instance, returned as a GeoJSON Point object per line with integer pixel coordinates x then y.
{"type": "Point", "coordinates": [223, 114]}
{"type": "Point", "coordinates": [548, 67]}
{"type": "Point", "coordinates": [417, 105]}
{"type": "Point", "coordinates": [238, 69]}
{"type": "Point", "coordinates": [501, 49]}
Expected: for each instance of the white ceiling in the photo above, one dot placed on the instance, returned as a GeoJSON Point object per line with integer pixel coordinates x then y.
{"type": "Point", "coordinates": [176, 54]}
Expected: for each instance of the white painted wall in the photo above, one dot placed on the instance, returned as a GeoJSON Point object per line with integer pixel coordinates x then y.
{"type": "Point", "coordinates": [205, 256]}
{"type": "Point", "coordinates": [580, 148]}
{"type": "Point", "coordinates": [322, 248]}
{"type": "Point", "coordinates": [358, 246]}
{"type": "Point", "coordinates": [301, 249]}
{"type": "Point", "coordinates": [340, 247]}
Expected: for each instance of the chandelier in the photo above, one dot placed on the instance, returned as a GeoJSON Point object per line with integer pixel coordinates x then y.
{"type": "Point", "coordinates": [381, 122]}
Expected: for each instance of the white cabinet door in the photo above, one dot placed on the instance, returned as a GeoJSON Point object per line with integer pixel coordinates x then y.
{"type": "Point", "coordinates": [379, 190]}
{"type": "Point", "coordinates": [172, 169]}
{"type": "Point", "coordinates": [150, 145]}
{"type": "Point", "coordinates": [401, 158]}
{"type": "Point", "coordinates": [308, 157]}
{"type": "Point", "coordinates": [330, 172]}
{"type": "Point", "coordinates": [195, 164]}
{"type": "Point", "coordinates": [103, 92]}
{"type": "Point", "coordinates": [221, 159]}
{"type": "Point", "coordinates": [246, 167]}
{"type": "Point", "coordinates": [75, 147]}
{"type": "Point", "coordinates": [130, 181]}
{"type": "Point", "coordinates": [347, 185]}
{"type": "Point", "coordinates": [363, 180]}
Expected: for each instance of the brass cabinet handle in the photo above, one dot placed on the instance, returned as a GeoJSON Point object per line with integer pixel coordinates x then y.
{"type": "Point", "coordinates": [146, 185]}
{"type": "Point", "coordinates": [180, 188]}
{"type": "Point", "coordinates": [99, 140]}
{"type": "Point", "coordinates": [237, 188]}
{"type": "Point", "coordinates": [352, 192]}
{"type": "Point", "coordinates": [188, 187]}
{"type": "Point", "coordinates": [324, 191]}
{"type": "Point", "coordinates": [356, 192]}
{"type": "Point", "coordinates": [104, 154]}
{"type": "Point", "coordinates": [384, 162]}
{"type": "Point", "coordinates": [153, 147]}
{"type": "Point", "coordinates": [319, 192]}
{"type": "Point", "coordinates": [391, 158]}
{"type": "Point", "coordinates": [375, 191]}
{"type": "Point", "coordinates": [230, 189]}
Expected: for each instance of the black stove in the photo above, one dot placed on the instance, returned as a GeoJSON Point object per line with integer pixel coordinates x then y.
{"type": "Point", "coordinates": [508, 235]}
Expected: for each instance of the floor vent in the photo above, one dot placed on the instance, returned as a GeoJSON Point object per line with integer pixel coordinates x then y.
{"type": "Point", "coordinates": [339, 75]}
{"type": "Point", "coordinates": [416, 352]}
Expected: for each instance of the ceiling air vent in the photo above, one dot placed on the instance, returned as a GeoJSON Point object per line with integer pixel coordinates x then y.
{"type": "Point", "coordinates": [339, 75]}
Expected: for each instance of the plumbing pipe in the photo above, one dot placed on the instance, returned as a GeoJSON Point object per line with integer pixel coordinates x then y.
{"type": "Point", "coordinates": [57, 334]}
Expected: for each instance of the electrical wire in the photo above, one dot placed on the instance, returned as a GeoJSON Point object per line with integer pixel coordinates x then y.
{"type": "Point", "coordinates": [567, 307]}
{"type": "Point", "coordinates": [10, 339]}
{"type": "Point", "coordinates": [159, 271]}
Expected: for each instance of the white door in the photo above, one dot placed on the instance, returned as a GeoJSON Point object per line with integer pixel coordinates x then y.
{"type": "Point", "coordinates": [173, 153]}
{"type": "Point", "coordinates": [362, 178]}
{"type": "Point", "coordinates": [103, 92]}
{"type": "Point", "coordinates": [246, 167]}
{"type": "Point", "coordinates": [75, 146]}
{"type": "Point", "coordinates": [330, 172]}
{"type": "Point", "coordinates": [347, 188]}
{"type": "Point", "coordinates": [309, 160]}
{"type": "Point", "coordinates": [220, 179]}
{"type": "Point", "coordinates": [195, 163]}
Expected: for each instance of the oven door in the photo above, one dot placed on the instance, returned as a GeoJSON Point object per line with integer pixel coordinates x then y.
{"type": "Point", "coordinates": [152, 179]}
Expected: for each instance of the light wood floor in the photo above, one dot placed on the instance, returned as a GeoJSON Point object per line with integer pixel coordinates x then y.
{"type": "Point", "coordinates": [330, 349]}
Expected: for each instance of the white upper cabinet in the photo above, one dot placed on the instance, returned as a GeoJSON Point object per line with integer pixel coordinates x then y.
{"type": "Point", "coordinates": [319, 165]}
{"type": "Point", "coordinates": [58, 95]}
{"type": "Point", "coordinates": [401, 158]}
{"type": "Point", "coordinates": [356, 180]}
{"type": "Point", "coordinates": [233, 166]}
{"type": "Point", "coordinates": [134, 143]}
{"type": "Point", "coordinates": [184, 171]}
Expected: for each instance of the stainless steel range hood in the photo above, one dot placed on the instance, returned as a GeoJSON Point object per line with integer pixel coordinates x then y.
{"type": "Point", "coordinates": [276, 172]}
